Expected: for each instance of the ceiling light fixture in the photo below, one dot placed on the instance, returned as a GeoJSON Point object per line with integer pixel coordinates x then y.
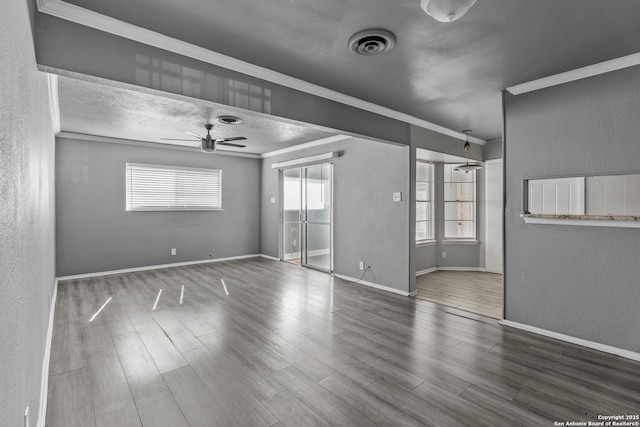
{"type": "Point", "coordinates": [446, 10]}
{"type": "Point", "coordinates": [468, 166]}
{"type": "Point", "coordinates": [371, 42]}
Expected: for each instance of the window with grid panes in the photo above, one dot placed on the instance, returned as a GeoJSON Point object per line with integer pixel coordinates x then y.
{"type": "Point", "coordinates": [459, 203]}
{"type": "Point", "coordinates": [424, 201]}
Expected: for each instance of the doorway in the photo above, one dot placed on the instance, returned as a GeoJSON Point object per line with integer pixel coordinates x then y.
{"type": "Point", "coordinates": [307, 216]}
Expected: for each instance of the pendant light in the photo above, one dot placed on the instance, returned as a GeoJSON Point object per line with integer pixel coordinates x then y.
{"type": "Point", "coordinates": [468, 166]}
{"type": "Point", "coordinates": [446, 10]}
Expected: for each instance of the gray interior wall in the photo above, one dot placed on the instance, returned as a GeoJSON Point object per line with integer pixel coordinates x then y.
{"type": "Point", "coordinates": [80, 51]}
{"type": "Point", "coordinates": [492, 150]}
{"type": "Point", "coordinates": [95, 232]}
{"type": "Point", "coordinates": [426, 256]}
{"type": "Point", "coordinates": [575, 280]}
{"type": "Point", "coordinates": [27, 268]}
{"type": "Point", "coordinates": [368, 225]}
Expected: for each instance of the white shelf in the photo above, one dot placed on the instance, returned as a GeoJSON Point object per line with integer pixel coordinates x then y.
{"type": "Point", "coordinates": [620, 221]}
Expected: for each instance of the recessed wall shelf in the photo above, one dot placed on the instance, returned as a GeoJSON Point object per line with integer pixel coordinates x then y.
{"type": "Point", "coordinates": [621, 221]}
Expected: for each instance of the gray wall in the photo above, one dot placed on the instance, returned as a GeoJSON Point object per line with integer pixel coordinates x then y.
{"type": "Point", "coordinates": [27, 272]}
{"type": "Point", "coordinates": [95, 233]}
{"type": "Point", "coordinates": [368, 225]}
{"type": "Point", "coordinates": [426, 257]}
{"type": "Point", "coordinates": [492, 150]}
{"type": "Point", "coordinates": [575, 280]}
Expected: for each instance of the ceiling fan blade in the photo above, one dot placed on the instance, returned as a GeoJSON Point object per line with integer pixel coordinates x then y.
{"type": "Point", "coordinates": [193, 134]}
{"type": "Point", "coordinates": [232, 138]}
{"type": "Point", "coordinates": [230, 144]}
{"type": "Point", "coordinates": [176, 139]}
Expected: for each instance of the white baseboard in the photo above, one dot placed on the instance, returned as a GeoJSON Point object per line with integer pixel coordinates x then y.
{"type": "Point", "coordinates": [44, 381]}
{"type": "Point", "coordinates": [269, 257]}
{"type": "Point", "coordinates": [461, 269]}
{"type": "Point", "coordinates": [156, 267]}
{"type": "Point", "coordinates": [372, 285]}
{"type": "Point", "coordinates": [573, 340]}
{"type": "Point", "coordinates": [427, 271]}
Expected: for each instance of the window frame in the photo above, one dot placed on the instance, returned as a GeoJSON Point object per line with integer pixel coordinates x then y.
{"type": "Point", "coordinates": [431, 208]}
{"type": "Point", "coordinates": [474, 202]}
{"type": "Point", "coordinates": [177, 192]}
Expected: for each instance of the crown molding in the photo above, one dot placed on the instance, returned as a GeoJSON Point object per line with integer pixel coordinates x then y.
{"type": "Point", "coordinates": [82, 16]}
{"type": "Point", "coordinates": [577, 74]}
{"type": "Point", "coordinates": [111, 140]}
{"type": "Point", "coordinates": [306, 145]}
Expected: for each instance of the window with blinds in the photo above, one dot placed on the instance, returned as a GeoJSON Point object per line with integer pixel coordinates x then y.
{"type": "Point", "coordinates": [424, 201]}
{"type": "Point", "coordinates": [459, 203]}
{"type": "Point", "coordinates": [168, 188]}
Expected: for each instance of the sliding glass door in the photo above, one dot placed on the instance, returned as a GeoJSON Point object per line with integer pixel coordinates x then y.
{"type": "Point", "coordinates": [307, 216]}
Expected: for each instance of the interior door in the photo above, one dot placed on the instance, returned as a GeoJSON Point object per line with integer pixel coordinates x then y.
{"type": "Point", "coordinates": [307, 216]}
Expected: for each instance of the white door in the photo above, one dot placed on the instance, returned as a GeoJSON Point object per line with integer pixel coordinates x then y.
{"type": "Point", "coordinates": [493, 198]}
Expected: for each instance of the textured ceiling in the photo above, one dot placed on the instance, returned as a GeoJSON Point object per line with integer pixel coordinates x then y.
{"type": "Point", "coordinates": [449, 74]}
{"type": "Point", "coordinates": [97, 109]}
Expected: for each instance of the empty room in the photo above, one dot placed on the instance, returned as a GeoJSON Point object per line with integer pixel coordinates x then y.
{"type": "Point", "coordinates": [358, 213]}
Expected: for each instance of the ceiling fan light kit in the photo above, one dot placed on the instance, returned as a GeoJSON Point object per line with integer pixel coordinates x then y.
{"type": "Point", "coordinates": [468, 166]}
{"type": "Point", "coordinates": [446, 10]}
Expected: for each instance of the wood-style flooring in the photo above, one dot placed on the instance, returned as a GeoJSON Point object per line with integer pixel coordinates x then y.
{"type": "Point", "coordinates": [479, 293]}
{"type": "Point", "coordinates": [280, 345]}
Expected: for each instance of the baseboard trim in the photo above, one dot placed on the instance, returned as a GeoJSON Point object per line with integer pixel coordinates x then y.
{"type": "Point", "coordinates": [269, 257]}
{"type": "Point", "coordinates": [628, 354]}
{"type": "Point", "coordinates": [427, 271]}
{"type": "Point", "coordinates": [157, 267]}
{"type": "Point", "coordinates": [480, 269]}
{"type": "Point", "coordinates": [44, 381]}
{"type": "Point", "coordinates": [372, 285]}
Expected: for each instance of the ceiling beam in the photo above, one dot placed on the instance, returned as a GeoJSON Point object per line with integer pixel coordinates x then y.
{"type": "Point", "coordinates": [89, 18]}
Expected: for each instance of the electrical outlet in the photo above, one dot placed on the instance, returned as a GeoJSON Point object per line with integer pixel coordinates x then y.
{"type": "Point", "coordinates": [173, 251]}
{"type": "Point", "coordinates": [444, 254]}
{"type": "Point", "coordinates": [273, 200]}
{"type": "Point", "coordinates": [361, 265]}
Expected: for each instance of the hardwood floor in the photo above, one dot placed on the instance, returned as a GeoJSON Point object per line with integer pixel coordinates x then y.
{"type": "Point", "coordinates": [290, 346]}
{"type": "Point", "coordinates": [479, 293]}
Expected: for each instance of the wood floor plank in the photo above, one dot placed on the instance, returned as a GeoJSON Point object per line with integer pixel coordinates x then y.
{"type": "Point", "coordinates": [143, 376]}
{"type": "Point", "coordinates": [161, 410]}
{"type": "Point", "coordinates": [291, 412]}
{"type": "Point", "coordinates": [112, 400]}
{"type": "Point", "coordinates": [367, 403]}
{"type": "Point", "coordinates": [165, 355]}
{"type": "Point", "coordinates": [70, 403]}
{"type": "Point", "coordinates": [294, 346]}
{"type": "Point", "coordinates": [179, 335]}
{"type": "Point", "coordinates": [330, 408]}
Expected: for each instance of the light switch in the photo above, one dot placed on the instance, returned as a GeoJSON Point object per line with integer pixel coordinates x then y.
{"type": "Point", "coordinates": [397, 196]}
{"type": "Point", "coordinates": [273, 200]}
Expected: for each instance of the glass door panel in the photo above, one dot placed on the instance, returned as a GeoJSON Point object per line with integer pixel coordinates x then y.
{"type": "Point", "coordinates": [292, 193]}
{"type": "Point", "coordinates": [307, 216]}
{"type": "Point", "coordinates": [316, 216]}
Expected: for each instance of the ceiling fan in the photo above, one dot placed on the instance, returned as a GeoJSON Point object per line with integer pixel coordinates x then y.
{"type": "Point", "coordinates": [207, 143]}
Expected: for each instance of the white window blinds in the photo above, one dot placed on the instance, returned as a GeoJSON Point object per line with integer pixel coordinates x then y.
{"type": "Point", "coordinates": [163, 188]}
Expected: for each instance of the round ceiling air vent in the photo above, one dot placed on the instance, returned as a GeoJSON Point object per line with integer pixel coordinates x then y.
{"type": "Point", "coordinates": [371, 42]}
{"type": "Point", "coordinates": [229, 120]}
